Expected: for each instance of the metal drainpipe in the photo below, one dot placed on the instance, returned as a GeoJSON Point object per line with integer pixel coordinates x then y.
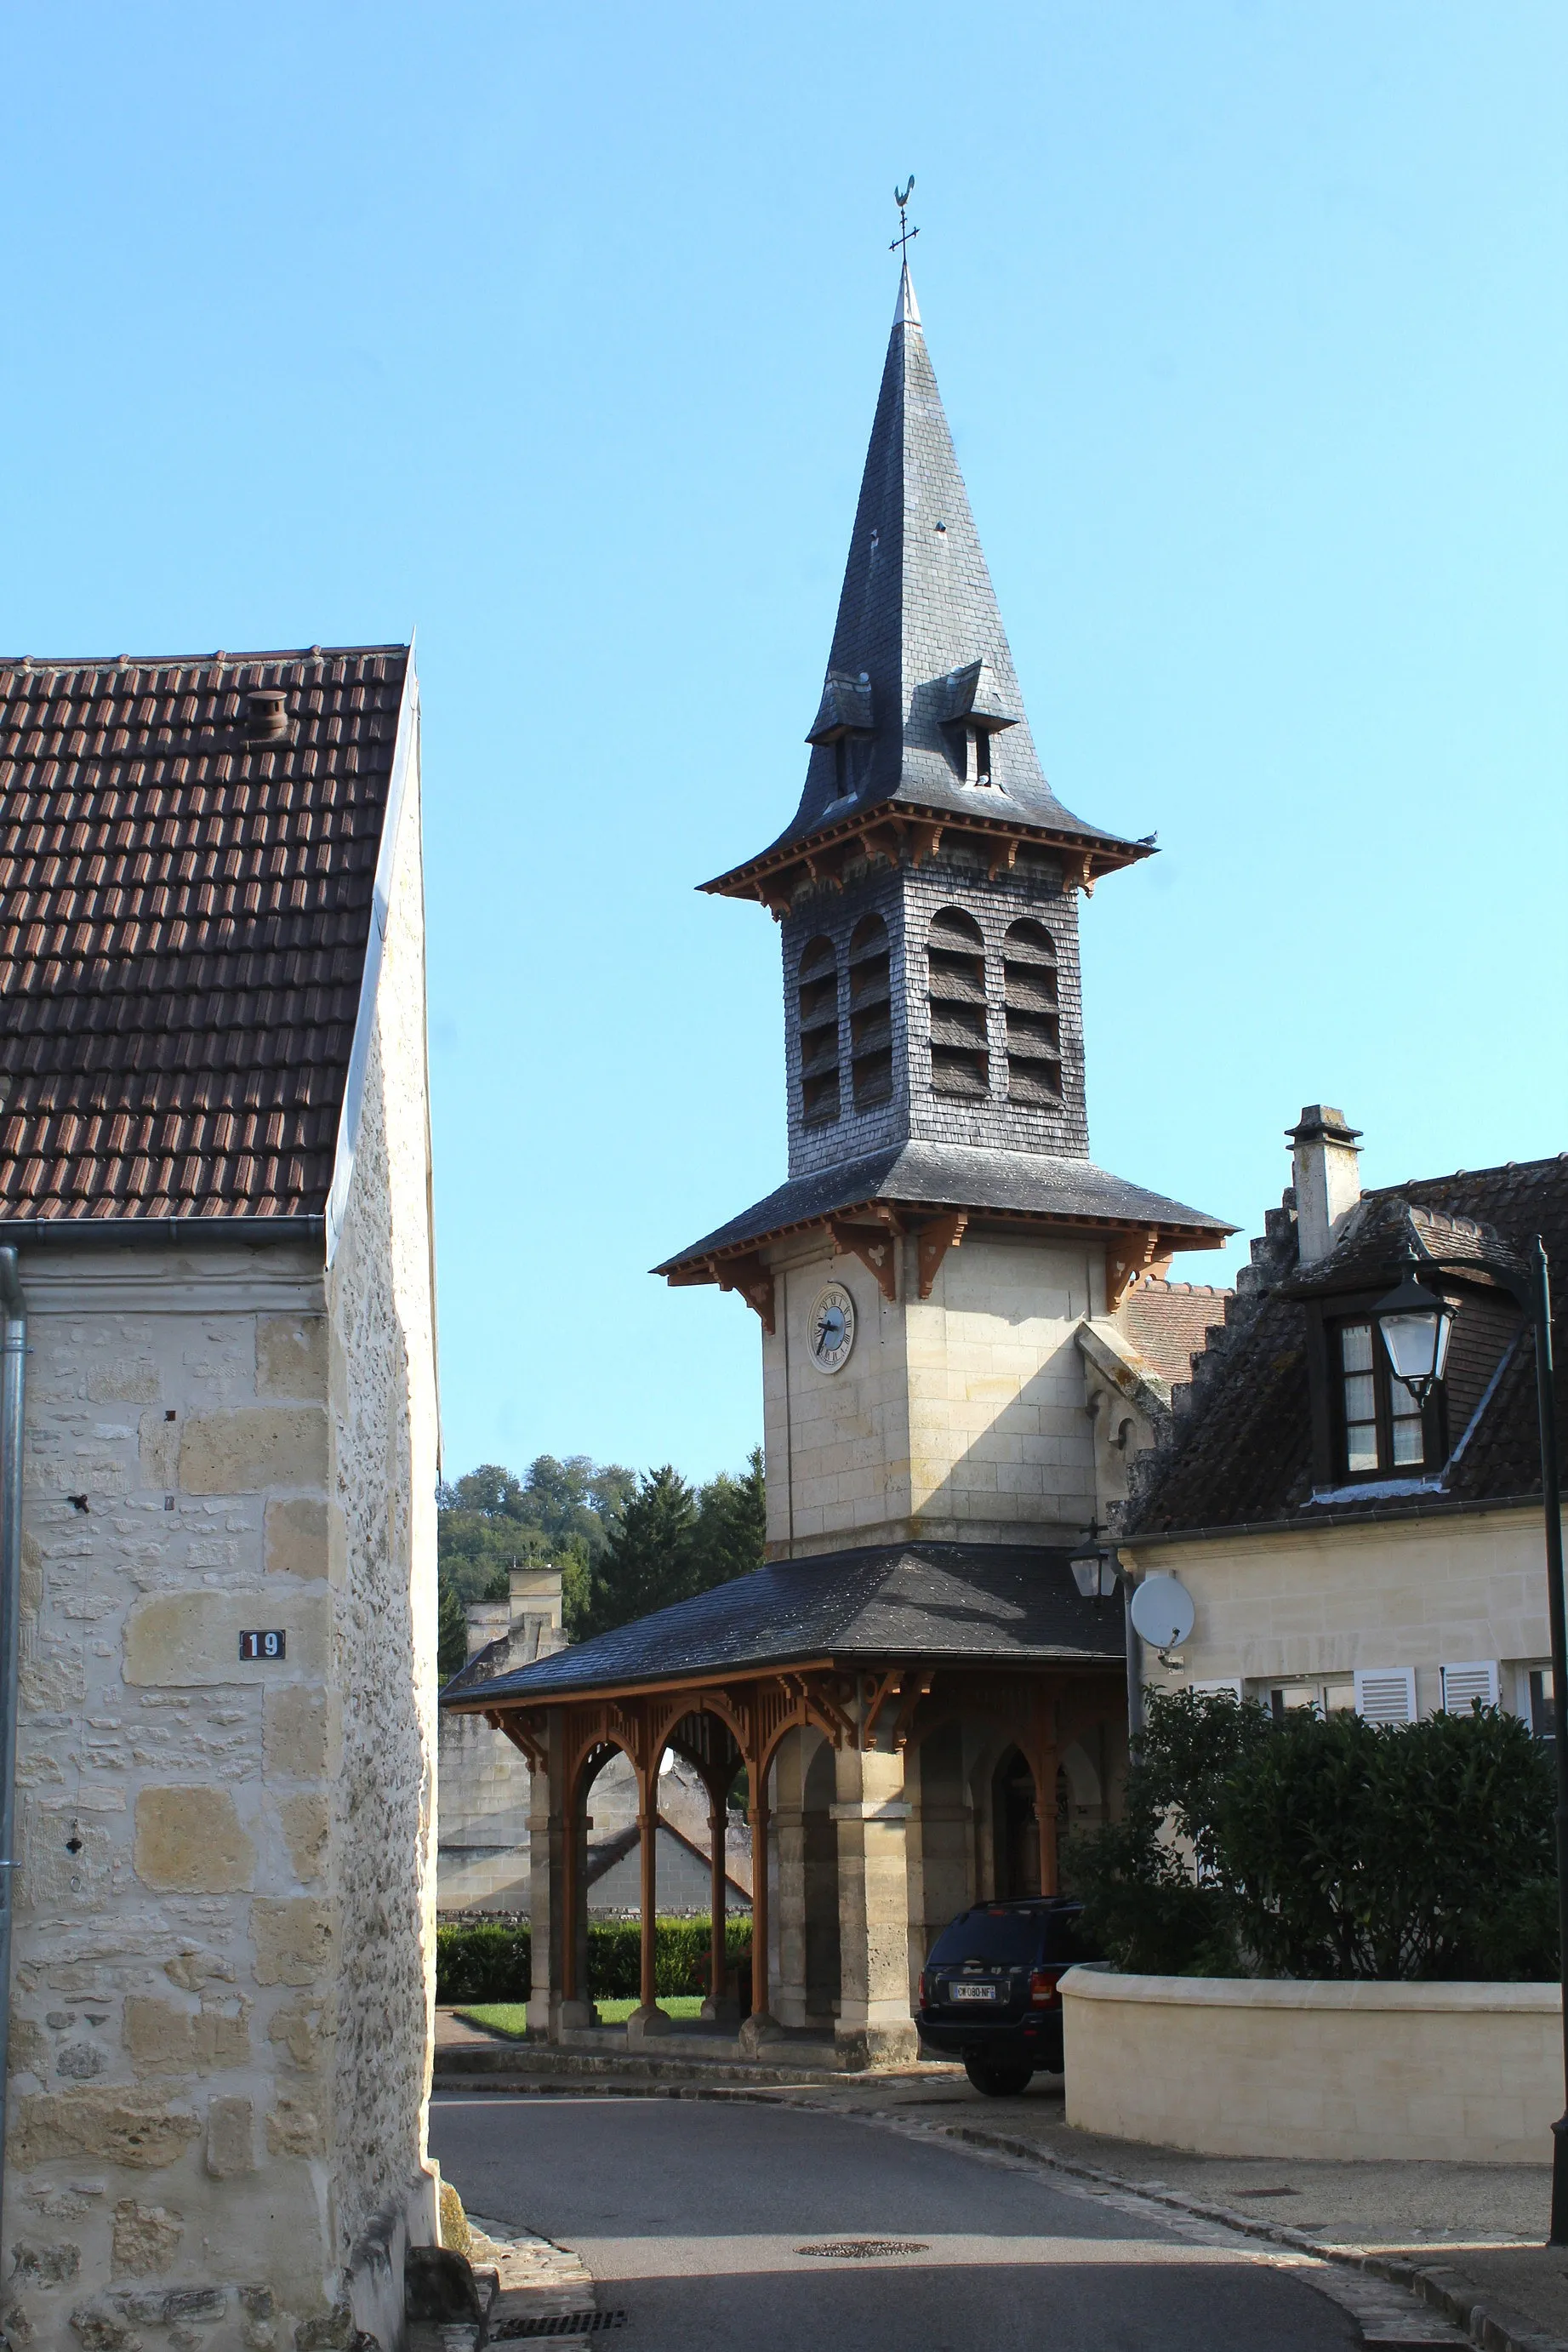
{"type": "Point", "coordinates": [13, 1386]}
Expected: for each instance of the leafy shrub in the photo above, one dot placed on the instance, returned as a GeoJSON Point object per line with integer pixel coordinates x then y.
{"type": "Point", "coordinates": [488, 1959]}
{"type": "Point", "coordinates": [481, 1959]}
{"type": "Point", "coordinates": [1326, 1847]}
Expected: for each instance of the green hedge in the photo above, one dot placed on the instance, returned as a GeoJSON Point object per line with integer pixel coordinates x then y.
{"type": "Point", "coordinates": [483, 1960]}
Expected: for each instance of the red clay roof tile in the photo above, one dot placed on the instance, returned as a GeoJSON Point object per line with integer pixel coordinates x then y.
{"type": "Point", "coordinates": [183, 920]}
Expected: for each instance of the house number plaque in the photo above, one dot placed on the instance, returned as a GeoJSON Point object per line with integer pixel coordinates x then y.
{"type": "Point", "coordinates": [271, 1644]}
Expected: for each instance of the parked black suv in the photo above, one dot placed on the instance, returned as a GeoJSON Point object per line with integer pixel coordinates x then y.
{"type": "Point", "coordinates": [990, 1993]}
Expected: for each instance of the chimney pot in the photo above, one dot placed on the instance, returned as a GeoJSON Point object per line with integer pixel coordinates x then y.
{"type": "Point", "coordinates": [266, 714]}
{"type": "Point", "coordinates": [1324, 1151]}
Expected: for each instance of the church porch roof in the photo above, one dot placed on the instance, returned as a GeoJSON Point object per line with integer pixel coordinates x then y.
{"type": "Point", "coordinates": [958, 1604]}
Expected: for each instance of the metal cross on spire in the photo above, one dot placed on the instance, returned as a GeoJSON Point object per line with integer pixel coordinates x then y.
{"type": "Point", "coordinates": [900, 242]}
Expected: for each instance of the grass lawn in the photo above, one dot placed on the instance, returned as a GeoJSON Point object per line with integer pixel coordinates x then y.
{"type": "Point", "coordinates": [510, 2017]}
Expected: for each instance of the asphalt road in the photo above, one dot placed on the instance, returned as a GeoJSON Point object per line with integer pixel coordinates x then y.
{"type": "Point", "coordinates": [691, 2216]}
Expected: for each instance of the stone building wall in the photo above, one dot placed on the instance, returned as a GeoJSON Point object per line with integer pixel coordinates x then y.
{"type": "Point", "coordinates": [1305, 1608]}
{"type": "Point", "coordinates": [223, 1964]}
{"type": "Point", "coordinates": [959, 1417]}
{"type": "Point", "coordinates": [173, 2001]}
{"type": "Point", "coordinates": [385, 1466]}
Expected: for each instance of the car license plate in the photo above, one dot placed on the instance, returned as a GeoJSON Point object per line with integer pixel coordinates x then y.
{"type": "Point", "coordinates": [972, 1991]}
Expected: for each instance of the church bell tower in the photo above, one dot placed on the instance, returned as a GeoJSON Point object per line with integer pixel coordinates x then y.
{"type": "Point", "coordinates": [943, 1235]}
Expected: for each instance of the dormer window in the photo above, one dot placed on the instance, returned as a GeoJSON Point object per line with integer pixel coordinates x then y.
{"type": "Point", "coordinates": [1382, 1429]}
{"type": "Point", "coordinates": [977, 755]}
{"type": "Point", "coordinates": [972, 708]}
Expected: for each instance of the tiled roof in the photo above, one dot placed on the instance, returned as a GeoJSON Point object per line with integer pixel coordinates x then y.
{"type": "Point", "coordinates": [932, 1176]}
{"type": "Point", "coordinates": [968, 1603]}
{"type": "Point", "coordinates": [183, 920]}
{"type": "Point", "coordinates": [1168, 1322]}
{"type": "Point", "coordinates": [1241, 1453]}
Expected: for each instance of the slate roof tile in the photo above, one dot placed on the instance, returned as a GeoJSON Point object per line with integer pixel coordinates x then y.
{"type": "Point", "coordinates": [1239, 1454]}
{"type": "Point", "coordinates": [183, 920]}
{"type": "Point", "coordinates": [997, 1604]}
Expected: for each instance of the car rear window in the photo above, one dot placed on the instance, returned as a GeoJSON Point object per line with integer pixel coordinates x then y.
{"type": "Point", "coordinates": [1004, 1937]}
{"type": "Point", "coordinates": [1065, 1939]}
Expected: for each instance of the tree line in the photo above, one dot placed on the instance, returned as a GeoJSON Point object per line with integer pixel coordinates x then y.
{"type": "Point", "coordinates": [626, 1542]}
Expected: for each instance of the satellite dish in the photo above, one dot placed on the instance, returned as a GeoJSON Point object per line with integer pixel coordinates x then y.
{"type": "Point", "coordinates": [1163, 1613]}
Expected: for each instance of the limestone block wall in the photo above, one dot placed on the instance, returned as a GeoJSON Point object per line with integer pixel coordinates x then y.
{"type": "Point", "coordinates": [383, 1423]}
{"type": "Point", "coordinates": [959, 1417]}
{"type": "Point", "coordinates": [1311, 1606]}
{"type": "Point", "coordinates": [1243, 2066]}
{"type": "Point", "coordinates": [173, 1998]}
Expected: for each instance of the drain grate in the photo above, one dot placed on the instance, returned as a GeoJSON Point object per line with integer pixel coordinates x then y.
{"type": "Point", "coordinates": [563, 2323]}
{"type": "Point", "coordinates": [864, 2249]}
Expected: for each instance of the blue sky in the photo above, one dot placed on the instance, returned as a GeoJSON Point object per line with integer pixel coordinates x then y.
{"type": "Point", "coordinates": [558, 333]}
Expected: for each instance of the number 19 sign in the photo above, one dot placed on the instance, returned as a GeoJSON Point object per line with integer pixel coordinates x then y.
{"type": "Point", "coordinates": [271, 1644]}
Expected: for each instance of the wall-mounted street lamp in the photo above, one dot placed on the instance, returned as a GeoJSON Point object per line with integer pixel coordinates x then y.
{"type": "Point", "coordinates": [1415, 1325]}
{"type": "Point", "coordinates": [1093, 1566]}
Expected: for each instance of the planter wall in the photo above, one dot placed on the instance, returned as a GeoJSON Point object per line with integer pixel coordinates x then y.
{"type": "Point", "coordinates": [1240, 2066]}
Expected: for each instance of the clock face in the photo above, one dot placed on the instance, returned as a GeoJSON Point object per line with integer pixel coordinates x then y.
{"type": "Point", "coordinates": [831, 1330]}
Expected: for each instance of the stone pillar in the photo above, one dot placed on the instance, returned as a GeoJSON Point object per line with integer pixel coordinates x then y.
{"type": "Point", "coordinates": [790, 1910]}
{"type": "Point", "coordinates": [874, 2026]}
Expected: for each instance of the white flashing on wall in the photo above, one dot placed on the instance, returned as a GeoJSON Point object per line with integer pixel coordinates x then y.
{"type": "Point", "coordinates": [404, 749]}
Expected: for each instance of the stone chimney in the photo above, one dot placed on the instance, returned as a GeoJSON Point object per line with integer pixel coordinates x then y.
{"type": "Point", "coordinates": [1328, 1182]}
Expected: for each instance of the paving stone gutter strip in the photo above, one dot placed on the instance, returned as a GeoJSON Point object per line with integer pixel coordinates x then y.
{"type": "Point", "coordinates": [1495, 2326]}
{"type": "Point", "coordinates": [1486, 2320]}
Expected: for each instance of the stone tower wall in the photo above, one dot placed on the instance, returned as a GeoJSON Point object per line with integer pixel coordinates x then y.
{"type": "Point", "coordinates": [906, 897]}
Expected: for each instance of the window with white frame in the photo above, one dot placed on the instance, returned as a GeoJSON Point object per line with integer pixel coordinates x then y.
{"type": "Point", "coordinates": [1382, 1426]}
{"type": "Point", "coordinates": [1329, 1695]}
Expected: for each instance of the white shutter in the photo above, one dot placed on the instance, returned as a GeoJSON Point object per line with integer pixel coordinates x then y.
{"type": "Point", "coordinates": [1464, 1685]}
{"type": "Point", "coordinates": [1385, 1694]}
{"type": "Point", "coordinates": [1231, 1683]}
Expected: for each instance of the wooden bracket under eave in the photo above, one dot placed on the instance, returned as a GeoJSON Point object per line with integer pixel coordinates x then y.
{"type": "Point", "coordinates": [751, 1278]}
{"type": "Point", "coordinates": [936, 1239]}
{"type": "Point", "coordinates": [1126, 1258]}
{"type": "Point", "coordinates": [876, 1246]}
{"type": "Point", "coordinates": [926, 840]}
{"type": "Point", "coordinates": [1003, 853]}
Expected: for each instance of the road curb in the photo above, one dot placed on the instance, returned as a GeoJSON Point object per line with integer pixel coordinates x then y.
{"type": "Point", "coordinates": [1495, 2326]}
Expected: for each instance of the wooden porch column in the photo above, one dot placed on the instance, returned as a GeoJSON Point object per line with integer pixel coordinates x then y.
{"type": "Point", "coordinates": [718, 2004]}
{"type": "Point", "coordinates": [648, 2017]}
{"type": "Point", "coordinates": [555, 1999]}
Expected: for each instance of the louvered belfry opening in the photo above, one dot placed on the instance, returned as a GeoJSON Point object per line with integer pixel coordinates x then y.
{"type": "Point", "coordinates": [819, 983]}
{"type": "Point", "coordinates": [871, 1014]}
{"type": "Point", "coordinates": [956, 961]}
{"type": "Point", "coordinates": [1034, 1028]}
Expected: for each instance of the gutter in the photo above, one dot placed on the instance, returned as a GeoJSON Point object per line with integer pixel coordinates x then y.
{"type": "Point", "coordinates": [1303, 1523]}
{"type": "Point", "coordinates": [156, 1232]}
{"type": "Point", "coordinates": [13, 1391]}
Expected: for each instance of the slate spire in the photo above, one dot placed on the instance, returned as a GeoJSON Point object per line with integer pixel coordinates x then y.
{"type": "Point", "coordinates": [921, 708]}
